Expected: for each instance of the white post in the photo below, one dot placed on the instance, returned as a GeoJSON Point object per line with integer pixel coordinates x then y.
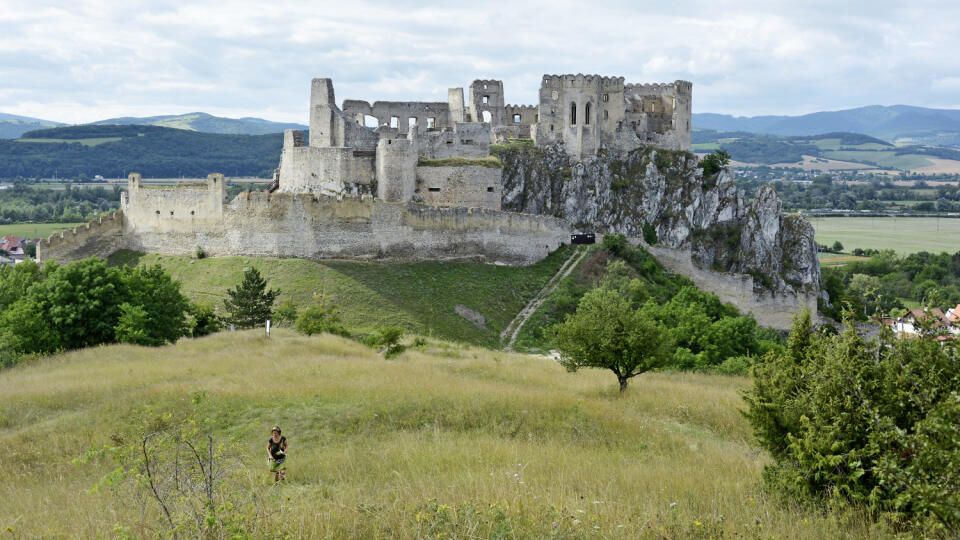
{"type": "Point", "coordinates": [268, 327]}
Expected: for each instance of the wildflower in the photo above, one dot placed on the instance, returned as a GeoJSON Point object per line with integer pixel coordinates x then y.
{"type": "Point", "coordinates": [576, 521]}
{"type": "Point", "coordinates": [697, 523]}
{"type": "Point", "coordinates": [673, 504]}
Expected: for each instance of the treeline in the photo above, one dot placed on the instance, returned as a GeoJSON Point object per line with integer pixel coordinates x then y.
{"type": "Point", "coordinates": [24, 203]}
{"type": "Point", "coordinates": [86, 303]}
{"type": "Point", "coordinates": [875, 286]}
{"type": "Point", "coordinates": [823, 192]}
{"type": "Point", "coordinates": [769, 149]}
{"type": "Point", "coordinates": [155, 152]}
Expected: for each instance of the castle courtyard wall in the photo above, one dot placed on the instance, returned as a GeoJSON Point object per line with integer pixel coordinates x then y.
{"type": "Point", "coordinates": [468, 186]}
{"type": "Point", "coordinates": [98, 238]}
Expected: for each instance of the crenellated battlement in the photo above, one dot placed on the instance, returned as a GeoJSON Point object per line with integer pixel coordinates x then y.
{"type": "Point", "coordinates": [580, 78]}
{"type": "Point", "coordinates": [107, 220]}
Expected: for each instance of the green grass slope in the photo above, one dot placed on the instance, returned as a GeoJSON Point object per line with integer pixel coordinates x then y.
{"type": "Point", "coordinates": [420, 297]}
{"type": "Point", "coordinates": [446, 441]}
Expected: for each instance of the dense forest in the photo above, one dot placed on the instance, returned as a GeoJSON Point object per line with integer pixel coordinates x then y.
{"type": "Point", "coordinates": [23, 203]}
{"type": "Point", "coordinates": [155, 152]}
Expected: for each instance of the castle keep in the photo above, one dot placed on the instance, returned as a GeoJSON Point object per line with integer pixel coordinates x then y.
{"type": "Point", "coordinates": [395, 180]}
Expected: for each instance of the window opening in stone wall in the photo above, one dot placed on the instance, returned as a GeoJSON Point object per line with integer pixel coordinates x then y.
{"type": "Point", "coordinates": [586, 114]}
{"type": "Point", "coordinates": [412, 121]}
{"type": "Point", "coordinates": [171, 213]}
{"type": "Point", "coordinates": [158, 212]}
{"type": "Point", "coordinates": [516, 119]}
{"type": "Point", "coordinates": [536, 118]}
{"type": "Point", "coordinates": [484, 87]}
{"type": "Point", "coordinates": [487, 117]}
{"type": "Point", "coordinates": [192, 213]}
{"type": "Point", "coordinates": [394, 122]}
{"type": "Point", "coordinates": [606, 98]}
{"type": "Point", "coordinates": [551, 127]}
{"type": "Point", "coordinates": [606, 114]}
{"type": "Point", "coordinates": [573, 113]}
{"type": "Point", "coordinates": [433, 189]}
{"type": "Point", "coordinates": [490, 190]}
{"type": "Point", "coordinates": [370, 121]}
{"type": "Point", "coordinates": [431, 122]}
{"type": "Point", "coordinates": [466, 141]}
{"type": "Point", "coordinates": [486, 99]}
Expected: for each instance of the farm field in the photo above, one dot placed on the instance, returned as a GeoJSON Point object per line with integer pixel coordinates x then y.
{"type": "Point", "coordinates": [444, 441]}
{"type": "Point", "coordinates": [838, 259]}
{"type": "Point", "coordinates": [35, 230]}
{"type": "Point", "coordinates": [903, 235]}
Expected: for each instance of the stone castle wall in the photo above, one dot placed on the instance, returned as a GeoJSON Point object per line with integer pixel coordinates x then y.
{"type": "Point", "coordinates": [98, 238]}
{"type": "Point", "coordinates": [287, 225]}
{"type": "Point", "coordinates": [467, 186]}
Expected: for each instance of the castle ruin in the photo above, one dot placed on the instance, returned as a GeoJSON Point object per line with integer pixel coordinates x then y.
{"type": "Point", "coordinates": [395, 180]}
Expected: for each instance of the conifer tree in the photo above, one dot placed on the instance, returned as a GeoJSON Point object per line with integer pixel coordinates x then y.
{"type": "Point", "coordinates": [250, 304]}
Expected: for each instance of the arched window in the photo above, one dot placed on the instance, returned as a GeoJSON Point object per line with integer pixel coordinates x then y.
{"type": "Point", "coordinates": [573, 113]}
{"type": "Point", "coordinates": [586, 114]}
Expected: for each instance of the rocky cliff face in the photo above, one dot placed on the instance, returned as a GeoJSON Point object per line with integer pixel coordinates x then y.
{"type": "Point", "coordinates": [708, 215]}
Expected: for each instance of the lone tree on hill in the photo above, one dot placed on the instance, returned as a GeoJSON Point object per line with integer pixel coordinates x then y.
{"type": "Point", "coordinates": [605, 332]}
{"type": "Point", "coordinates": [250, 304]}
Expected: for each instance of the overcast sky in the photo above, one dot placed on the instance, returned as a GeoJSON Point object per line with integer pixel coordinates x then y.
{"type": "Point", "coordinates": [80, 61]}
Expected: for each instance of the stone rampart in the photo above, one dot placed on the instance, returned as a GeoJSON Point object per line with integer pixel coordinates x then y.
{"type": "Point", "coordinates": [98, 238]}
{"type": "Point", "coordinates": [288, 225]}
{"type": "Point", "coordinates": [775, 311]}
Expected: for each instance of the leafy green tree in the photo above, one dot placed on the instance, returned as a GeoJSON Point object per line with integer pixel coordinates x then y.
{"type": "Point", "coordinates": [286, 312]}
{"type": "Point", "coordinates": [606, 333]}
{"type": "Point", "coordinates": [153, 291]}
{"type": "Point", "coordinates": [837, 247]}
{"type": "Point", "coordinates": [134, 325]}
{"type": "Point", "coordinates": [250, 304]}
{"type": "Point", "coordinates": [82, 302]}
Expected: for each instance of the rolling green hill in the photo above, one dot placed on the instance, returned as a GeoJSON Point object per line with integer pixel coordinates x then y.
{"type": "Point", "coordinates": [207, 123]}
{"type": "Point", "coordinates": [13, 126]}
{"type": "Point", "coordinates": [444, 441]}
{"type": "Point", "coordinates": [850, 147]}
{"type": "Point", "coordinates": [155, 152]}
{"type": "Point", "coordinates": [900, 123]}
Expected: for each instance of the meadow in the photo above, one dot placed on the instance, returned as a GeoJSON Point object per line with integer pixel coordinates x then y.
{"type": "Point", "coordinates": [420, 297]}
{"type": "Point", "coordinates": [35, 230]}
{"type": "Point", "coordinates": [903, 235]}
{"type": "Point", "coordinates": [445, 440]}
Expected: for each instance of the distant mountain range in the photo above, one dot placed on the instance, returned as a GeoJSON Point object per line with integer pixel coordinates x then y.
{"type": "Point", "coordinates": [897, 123]}
{"type": "Point", "coordinates": [13, 126]}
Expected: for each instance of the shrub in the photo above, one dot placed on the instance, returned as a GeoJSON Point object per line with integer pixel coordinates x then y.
{"type": "Point", "coordinates": [286, 313]}
{"type": "Point", "coordinates": [387, 341]}
{"type": "Point", "coordinates": [713, 163]}
{"type": "Point", "coordinates": [319, 317]}
{"type": "Point", "coordinates": [649, 233]}
{"type": "Point", "coordinates": [203, 320]}
{"type": "Point", "coordinates": [871, 422]}
{"type": "Point", "coordinates": [200, 253]}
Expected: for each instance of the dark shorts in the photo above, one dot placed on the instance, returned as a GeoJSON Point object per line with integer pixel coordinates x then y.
{"type": "Point", "coordinates": [278, 464]}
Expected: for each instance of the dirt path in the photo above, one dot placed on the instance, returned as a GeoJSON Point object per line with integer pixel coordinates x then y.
{"type": "Point", "coordinates": [513, 329]}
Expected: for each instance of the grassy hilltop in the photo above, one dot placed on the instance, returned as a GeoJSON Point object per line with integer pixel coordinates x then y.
{"type": "Point", "coordinates": [446, 440]}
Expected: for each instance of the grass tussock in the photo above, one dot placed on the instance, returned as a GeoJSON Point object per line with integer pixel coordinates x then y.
{"type": "Point", "coordinates": [444, 440]}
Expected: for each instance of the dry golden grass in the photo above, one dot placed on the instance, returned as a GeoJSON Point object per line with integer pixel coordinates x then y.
{"type": "Point", "coordinates": [506, 445]}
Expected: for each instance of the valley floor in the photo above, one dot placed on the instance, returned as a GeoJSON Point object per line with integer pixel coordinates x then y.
{"type": "Point", "coordinates": [443, 441]}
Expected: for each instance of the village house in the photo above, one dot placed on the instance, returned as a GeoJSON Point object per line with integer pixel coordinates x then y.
{"type": "Point", "coordinates": [910, 324]}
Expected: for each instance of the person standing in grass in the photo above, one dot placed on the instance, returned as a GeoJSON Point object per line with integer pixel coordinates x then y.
{"type": "Point", "coordinates": [277, 451]}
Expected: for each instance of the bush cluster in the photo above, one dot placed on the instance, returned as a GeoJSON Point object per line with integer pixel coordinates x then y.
{"type": "Point", "coordinates": [869, 422]}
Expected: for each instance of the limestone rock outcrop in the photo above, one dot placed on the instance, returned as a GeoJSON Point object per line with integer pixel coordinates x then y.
{"type": "Point", "coordinates": [706, 214]}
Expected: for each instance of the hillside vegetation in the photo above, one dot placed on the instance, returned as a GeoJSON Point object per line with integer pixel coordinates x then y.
{"type": "Point", "coordinates": [445, 441]}
{"type": "Point", "coordinates": [155, 152]}
{"type": "Point", "coordinates": [420, 297]}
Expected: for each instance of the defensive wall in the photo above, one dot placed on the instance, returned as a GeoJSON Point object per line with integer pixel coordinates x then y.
{"type": "Point", "coordinates": [775, 311]}
{"type": "Point", "coordinates": [98, 238]}
{"type": "Point", "coordinates": [292, 225]}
